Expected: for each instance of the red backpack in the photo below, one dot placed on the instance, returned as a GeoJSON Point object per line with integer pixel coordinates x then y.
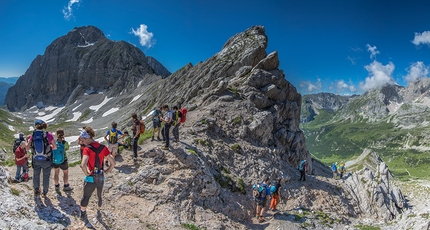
{"type": "Point", "coordinates": [184, 114]}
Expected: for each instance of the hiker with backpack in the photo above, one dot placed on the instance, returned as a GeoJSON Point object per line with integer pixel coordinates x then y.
{"type": "Point", "coordinates": [21, 160]}
{"type": "Point", "coordinates": [166, 128]}
{"type": "Point", "coordinates": [176, 122]}
{"type": "Point", "coordinates": [156, 123]}
{"type": "Point", "coordinates": [341, 170]}
{"type": "Point", "coordinates": [59, 160]}
{"type": "Point", "coordinates": [17, 143]}
{"type": "Point", "coordinates": [261, 193]}
{"type": "Point", "coordinates": [41, 144]}
{"type": "Point", "coordinates": [334, 170]}
{"type": "Point", "coordinates": [93, 157]}
{"type": "Point", "coordinates": [112, 138]}
{"type": "Point", "coordinates": [275, 190]}
{"type": "Point", "coordinates": [136, 134]}
{"type": "Point", "coordinates": [302, 169]}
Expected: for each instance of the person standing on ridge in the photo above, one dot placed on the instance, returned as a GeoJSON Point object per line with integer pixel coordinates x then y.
{"type": "Point", "coordinates": [41, 144]}
{"type": "Point", "coordinates": [92, 167]}
{"type": "Point", "coordinates": [302, 169]}
{"type": "Point", "coordinates": [334, 170]}
{"type": "Point", "coordinates": [167, 124]}
{"type": "Point", "coordinates": [261, 201]}
{"type": "Point", "coordinates": [59, 158]}
{"type": "Point", "coordinates": [275, 195]}
{"type": "Point", "coordinates": [341, 170]}
{"type": "Point", "coordinates": [176, 122]}
{"type": "Point", "coordinates": [136, 134]}
{"type": "Point", "coordinates": [156, 123]}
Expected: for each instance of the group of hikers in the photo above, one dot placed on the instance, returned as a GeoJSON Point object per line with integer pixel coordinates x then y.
{"type": "Point", "coordinates": [262, 192]}
{"type": "Point", "coordinates": [49, 151]}
{"type": "Point", "coordinates": [338, 169]}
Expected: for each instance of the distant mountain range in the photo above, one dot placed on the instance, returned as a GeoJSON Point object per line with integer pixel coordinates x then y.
{"type": "Point", "coordinates": [5, 84]}
{"type": "Point", "coordinates": [392, 120]}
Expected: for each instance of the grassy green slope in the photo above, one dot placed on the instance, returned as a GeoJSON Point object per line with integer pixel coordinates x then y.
{"type": "Point", "coordinates": [404, 150]}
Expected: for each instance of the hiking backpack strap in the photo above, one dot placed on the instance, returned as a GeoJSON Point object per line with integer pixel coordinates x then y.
{"type": "Point", "coordinates": [97, 151]}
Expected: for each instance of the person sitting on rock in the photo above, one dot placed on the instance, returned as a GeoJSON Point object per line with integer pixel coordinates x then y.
{"type": "Point", "coordinates": [126, 142]}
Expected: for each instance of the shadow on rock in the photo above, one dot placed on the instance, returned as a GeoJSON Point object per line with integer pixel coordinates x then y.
{"type": "Point", "coordinates": [49, 213]}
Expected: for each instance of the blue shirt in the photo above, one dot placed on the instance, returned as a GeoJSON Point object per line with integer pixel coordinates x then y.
{"type": "Point", "coordinates": [114, 130]}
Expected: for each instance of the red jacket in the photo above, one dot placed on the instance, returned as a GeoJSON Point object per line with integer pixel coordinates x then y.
{"type": "Point", "coordinates": [20, 153]}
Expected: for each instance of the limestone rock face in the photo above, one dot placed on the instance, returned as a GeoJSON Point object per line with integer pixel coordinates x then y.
{"type": "Point", "coordinates": [82, 57]}
{"type": "Point", "coordinates": [373, 191]}
{"type": "Point", "coordinates": [158, 67]}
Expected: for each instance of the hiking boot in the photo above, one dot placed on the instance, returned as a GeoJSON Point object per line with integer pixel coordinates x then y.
{"type": "Point", "coordinates": [67, 188]}
{"type": "Point", "coordinates": [163, 142]}
{"type": "Point", "coordinates": [57, 188]}
{"type": "Point", "coordinates": [84, 218]}
{"type": "Point", "coordinates": [158, 139]}
{"type": "Point", "coordinates": [261, 219]}
{"type": "Point", "coordinates": [152, 138]}
{"type": "Point", "coordinates": [36, 192]}
{"type": "Point", "coordinates": [165, 148]}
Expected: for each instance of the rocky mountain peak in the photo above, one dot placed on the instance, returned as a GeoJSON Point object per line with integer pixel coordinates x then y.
{"type": "Point", "coordinates": [85, 58]}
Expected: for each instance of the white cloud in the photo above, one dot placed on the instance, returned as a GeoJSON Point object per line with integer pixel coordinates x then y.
{"type": "Point", "coordinates": [423, 38]}
{"type": "Point", "coordinates": [67, 11]}
{"type": "Point", "coordinates": [145, 37]}
{"type": "Point", "coordinates": [373, 51]}
{"type": "Point", "coordinates": [311, 86]}
{"type": "Point", "coordinates": [352, 60]}
{"type": "Point", "coordinates": [417, 70]}
{"type": "Point", "coordinates": [341, 86]}
{"type": "Point", "coordinates": [379, 75]}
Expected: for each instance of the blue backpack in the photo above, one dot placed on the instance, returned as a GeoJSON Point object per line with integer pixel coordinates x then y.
{"type": "Point", "coordinates": [273, 189]}
{"type": "Point", "coordinates": [58, 155]}
{"type": "Point", "coordinates": [302, 164]}
{"type": "Point", "coordinates": [40, 146]}
{"type": "Point", "coordinates": [333, 167]}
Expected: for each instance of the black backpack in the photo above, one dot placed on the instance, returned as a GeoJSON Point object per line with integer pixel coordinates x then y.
{"type": "Point", "coordinates": [16, 144]}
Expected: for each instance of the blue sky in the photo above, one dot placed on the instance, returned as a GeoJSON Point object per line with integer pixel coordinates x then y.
{"type": "Point", "coordinates": [334, 46]}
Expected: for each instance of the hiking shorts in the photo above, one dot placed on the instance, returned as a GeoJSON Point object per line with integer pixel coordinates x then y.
{"type": "Point", "coordinates": [261, 202]}
{"type": "Point", "coordinates": [63, 166]}
{"type": "Point", "coordinates": [156, 124]}
{"type": "Point", "coordinates": [113, 148]}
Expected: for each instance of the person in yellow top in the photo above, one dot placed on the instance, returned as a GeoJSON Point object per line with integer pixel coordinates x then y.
{"type": "Point", "coordinates": [341, 170]}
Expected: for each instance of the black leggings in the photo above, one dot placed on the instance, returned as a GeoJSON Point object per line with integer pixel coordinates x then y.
{"type": "Point", "coordinates": [88, 191]}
